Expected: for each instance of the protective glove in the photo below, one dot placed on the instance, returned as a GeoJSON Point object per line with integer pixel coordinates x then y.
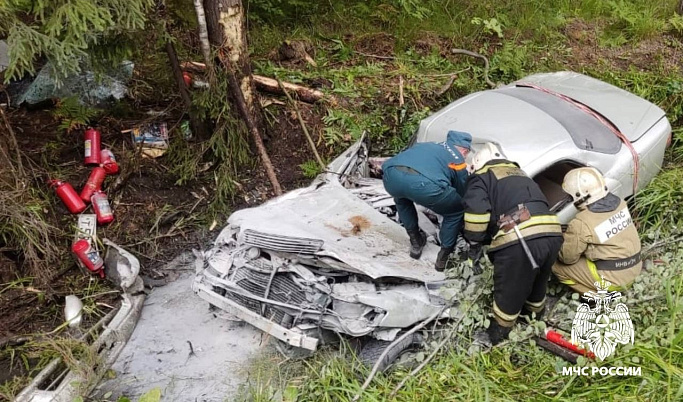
{"type": "Point", "coordinates": [474, 255]}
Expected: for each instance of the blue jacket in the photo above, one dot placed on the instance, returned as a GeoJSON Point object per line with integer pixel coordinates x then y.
{"type": "Point", "coordinates": [441, 162]}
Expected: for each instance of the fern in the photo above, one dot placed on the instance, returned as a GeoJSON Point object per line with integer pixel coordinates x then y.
{"type": "Point", "coordinates": [72, 114]}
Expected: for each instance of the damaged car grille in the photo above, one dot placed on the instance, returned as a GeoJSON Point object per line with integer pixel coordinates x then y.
{"type": "Point", "coordinates": [282, 289]}
{"type": "Point", "coordinates": [285, 244]}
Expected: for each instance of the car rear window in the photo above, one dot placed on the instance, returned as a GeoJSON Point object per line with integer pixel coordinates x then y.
{"type": "Point", "coordinates": [586, 131]}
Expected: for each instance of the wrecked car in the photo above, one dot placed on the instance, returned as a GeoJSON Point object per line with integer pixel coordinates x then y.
{"type": "Point", "coordinates": [332, 257]}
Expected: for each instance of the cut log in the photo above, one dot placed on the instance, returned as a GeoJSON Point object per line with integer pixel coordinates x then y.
{"type": "Point", "coordinates": [270, 85]}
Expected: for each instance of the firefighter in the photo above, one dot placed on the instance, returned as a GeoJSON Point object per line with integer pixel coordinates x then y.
{"type": "Point", "coordinates": [500, 198]}
{"type": "Point", "coordinates": [432, 175]}
{"type": "Point", "coordinates": [601, 241]}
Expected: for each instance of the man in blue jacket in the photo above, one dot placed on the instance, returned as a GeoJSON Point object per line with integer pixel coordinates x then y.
{"type": "Point", "coordinates": [432, 175]}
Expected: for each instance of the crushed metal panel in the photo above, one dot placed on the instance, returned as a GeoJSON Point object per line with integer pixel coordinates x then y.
{"type": "Point", "coordinates": [404, 307]}
{"type": "Point", "coordinates": [352, 231]}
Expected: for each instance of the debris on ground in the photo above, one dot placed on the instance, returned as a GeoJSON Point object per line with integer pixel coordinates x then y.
{"type": "Point", "coordinates": [90, 87]}
{"type": "Point", "coordinates": [73, 310]}
{"type": "Point", "coordinates": [152, 139]}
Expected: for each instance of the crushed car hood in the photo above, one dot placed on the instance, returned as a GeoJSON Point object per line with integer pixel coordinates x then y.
{"type": "Point", "coordinates": [326, 220]}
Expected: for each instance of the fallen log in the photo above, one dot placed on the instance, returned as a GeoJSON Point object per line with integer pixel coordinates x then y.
{"type": "Point", "coordinates": [269, 85]}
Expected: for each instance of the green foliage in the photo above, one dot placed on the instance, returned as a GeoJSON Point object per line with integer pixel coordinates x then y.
{"type": "Point", "coordinates": [63, 30]}
{"type": "Point", "coordinates": [634, 20]}
{"type": "Point", "coordinates": [407, 131]}
{"type": "Point", "coordinates": [658, 205]}
{"type": "Point", "coordinates": [72, 115]}
{"type": "Point", "coordinates": [310, 169]}
{"type": "Point", "coordinates": [491, 26]}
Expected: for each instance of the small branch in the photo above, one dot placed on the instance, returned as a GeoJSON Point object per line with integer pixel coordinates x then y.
{"type": "Point", "coordinates": [15, 145]}
{"type": "Point", "coordinates": [662, 243]}
{"type": "Point", "coordinates": [375, 368]}
{"type": "Point", "coordinates": [238, 96]}
{"type": "Point", "coordinates": [401, 99]}
{"type": "Point", "coordinates": [446, 87]}
{"type": "Point", "coordinates": [434, 352]}
{"type": "Point", "coordinates": [303, 125]}
{"type": "Point", "coordinates": [477, 55]}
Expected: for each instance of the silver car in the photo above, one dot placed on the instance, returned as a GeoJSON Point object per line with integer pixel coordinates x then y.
{"type": "Point", "coordinates": [332, 257]}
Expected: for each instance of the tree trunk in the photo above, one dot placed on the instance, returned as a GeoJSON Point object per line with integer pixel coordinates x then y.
{"type": "Point", "coordinates": [203, 32]}
{"type": "Point", "coordinates": [196, 125]}
{"type": "Point", "coordinates": [679, 9]}
{"type": "Point", "coordinates": [213, 26]}
{"type": "Point", "coordinates": [232, 18]}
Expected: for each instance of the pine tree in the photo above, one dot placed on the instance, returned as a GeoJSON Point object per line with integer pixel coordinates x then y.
{"type": "Point", "coordinates": [63, 31]}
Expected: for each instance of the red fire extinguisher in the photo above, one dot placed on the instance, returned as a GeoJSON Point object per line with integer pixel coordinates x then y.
{"type": "Point", "coordinates": [558, 339]}
{"type": "Point", "coordinates": [109, 162]}
{"type": "Point", "coordinates": [88, 256]}
{"type": "Point", "coordinates": [93, 184]}
{"type": "Point", "coordinates": [187, 77]}
{"type": "Point", "coordinates": [68, 195]}
{"type": "Point", "coordinates": [100, 204]}
{"type": "Point", "coordinates": [92, 146]}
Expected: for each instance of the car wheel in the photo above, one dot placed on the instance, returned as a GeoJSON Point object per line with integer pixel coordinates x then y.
{"type": "Point", "coordinates": [292, 352]}
{"type": "Point", "coordinates": [374, 348]}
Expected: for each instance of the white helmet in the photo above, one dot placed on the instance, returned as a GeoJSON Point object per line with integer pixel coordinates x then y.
{"type": "Point", "coordinates": [488, 152]}
{"type": "Point", "coordinates": [585, 185]}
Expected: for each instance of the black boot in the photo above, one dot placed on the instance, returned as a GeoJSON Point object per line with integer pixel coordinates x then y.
{"type": "Point", "coordinates": [442, 258]}
{"type": "Point", "coordinates": [497, 333]}
{"type": "Point", "coordinates": [526, 314]}
{"type": "Point", "coordinates": [418, 239]}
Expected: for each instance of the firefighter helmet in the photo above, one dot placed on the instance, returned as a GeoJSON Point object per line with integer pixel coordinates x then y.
{"type": "Point", "coordinates": [488, 152]}
{"type": "Point", "coordinates": [586, 185]}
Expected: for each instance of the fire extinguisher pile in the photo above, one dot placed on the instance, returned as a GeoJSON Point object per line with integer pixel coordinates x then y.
{"type": "Point", "coordinates": [104, 162]}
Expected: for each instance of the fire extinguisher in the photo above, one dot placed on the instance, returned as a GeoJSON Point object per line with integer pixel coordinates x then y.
{"type": "Point", "coordinates": [109, 162]}
{"type": "Point", "coordinates": [93, 184]}
{"type": "Point", "coordinates": [92, 146]}
{"type": "Point", "coordinates": [68, 195]}
{"type": "Point", "coordinates": [558, 339]}
{"type": "Point", "coordinates": [100, 205]}
{"type": "Point", "coordinates": [187, 77]}
{"type": "Point", "coordinates": [87, 255]}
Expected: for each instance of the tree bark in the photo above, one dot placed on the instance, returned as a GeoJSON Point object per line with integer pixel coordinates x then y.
{"type": "Point", "coordinates": [196, 125]}
{"type": "Point", "coordinates": [212, 25]}
{"type": "Point", "coordinates": [203, 32]}
{"type": "Point", "coordinates": [232, 18]}
{"type": "Point", "coordinates": [679, 9]}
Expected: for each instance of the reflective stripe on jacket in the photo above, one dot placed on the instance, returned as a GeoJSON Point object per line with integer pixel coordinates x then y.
{"type": "Point", "coordinates": [497, 189]}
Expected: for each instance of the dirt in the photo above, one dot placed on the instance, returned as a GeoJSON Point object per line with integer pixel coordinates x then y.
{"type": "Point", "coordinates": [647, 55]}
{"type": "Point", "coordinates": [359, 223]}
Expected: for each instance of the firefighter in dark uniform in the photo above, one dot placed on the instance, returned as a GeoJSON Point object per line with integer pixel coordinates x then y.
{"type": "Point", "coordinates": [601, 242]}
{"type": "Point", "coordinates": [500, 198]}
{"type": "Point", "coordinates": [432, 175]}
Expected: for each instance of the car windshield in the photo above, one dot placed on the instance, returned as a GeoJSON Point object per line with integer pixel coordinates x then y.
{"type": "Point", "coordinates": [586, 131]}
